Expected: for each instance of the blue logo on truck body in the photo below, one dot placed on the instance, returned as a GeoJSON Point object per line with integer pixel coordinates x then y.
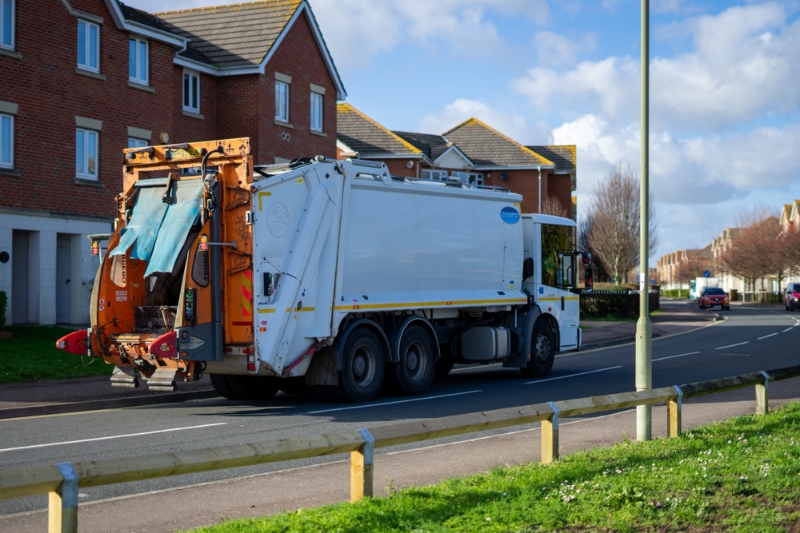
{"type": "Point", "coordinates": [509, 215]}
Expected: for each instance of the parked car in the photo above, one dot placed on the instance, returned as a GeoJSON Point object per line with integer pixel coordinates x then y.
{"type": "Point", "coordinates": [792, 296]}
{"type": "Point", "coordinates": [712, 296]}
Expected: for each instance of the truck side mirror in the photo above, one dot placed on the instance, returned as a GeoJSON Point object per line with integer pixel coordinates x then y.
{"type": "Point", "coordinates": [527, 268]}
{"type": "Point", "coordinates": [588, 280]}
{"type": "Point", "coordinates": [586, 258]}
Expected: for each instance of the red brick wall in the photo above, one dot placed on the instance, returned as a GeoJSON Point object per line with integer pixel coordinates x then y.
{"type": "Point", "coordinates": [50, 94]}
{"type": "Point", "coordinates": [560, 186]}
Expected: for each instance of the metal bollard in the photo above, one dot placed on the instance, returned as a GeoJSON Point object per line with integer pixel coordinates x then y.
{"type": "Point", "coordinates": [63, 502]}
{"type": "Point", "coordinates": [361, 462]}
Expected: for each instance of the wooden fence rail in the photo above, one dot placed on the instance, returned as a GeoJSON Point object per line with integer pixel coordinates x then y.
{"type": "Point", "coordinates": [61, 482]}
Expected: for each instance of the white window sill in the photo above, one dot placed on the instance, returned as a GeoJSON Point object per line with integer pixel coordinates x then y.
{"type": "Point", "coordinates": [89, 73]}
{"type": "Point", "coordinates": [10, 53]}
{"type": "Point", "coordinates": [283, 124]}
{"type": "Point", "coordinates": [141, 86]}
{"type": "Point", "coordinates": [193, 114]}
{"type": "Point", "coordinates": [318, 133]}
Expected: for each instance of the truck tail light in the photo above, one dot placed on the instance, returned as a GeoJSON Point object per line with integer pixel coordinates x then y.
{"type": "Point", "coordinates": [203, 243]}
{"type": "Point", "coordinates": [95, 248]}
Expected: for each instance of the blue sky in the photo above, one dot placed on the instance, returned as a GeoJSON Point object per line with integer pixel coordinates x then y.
{"type": "Point", "coordinates": [725, 89]}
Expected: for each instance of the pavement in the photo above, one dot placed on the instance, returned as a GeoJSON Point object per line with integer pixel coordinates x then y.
{"type": "Point", "coordinates": [268, 493]}
{"type": "Point", "coordinates": [89, 394]}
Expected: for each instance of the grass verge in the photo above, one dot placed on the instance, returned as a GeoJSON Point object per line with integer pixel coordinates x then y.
{"type": "Point", "coordinates": [31, 355]}
{"type": "Point", "coordinates": [742, 475]}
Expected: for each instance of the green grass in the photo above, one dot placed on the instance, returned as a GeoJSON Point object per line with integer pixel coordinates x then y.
{"type": "Point", "coordinates": [31, 355]}
{"type": "Point", "coordinates": [742, 475]}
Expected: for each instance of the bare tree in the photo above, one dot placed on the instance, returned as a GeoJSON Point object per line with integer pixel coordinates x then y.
{"type": "Point", "coordinates": [790, 242]}
{"type": "Point", "coordinates": [553, 206]}
{"type": "Point", "coordinates": [752, 255]}
{"type": "Point", "coordinates": [584, 238]}
{"type": "Point", "coordinates": [689, 270]}
{"type": "Point", "coordinates": [615, 223]}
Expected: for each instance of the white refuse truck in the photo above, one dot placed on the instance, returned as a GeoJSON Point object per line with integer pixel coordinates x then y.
{"type": "Point", "coordinates": [322, 274]}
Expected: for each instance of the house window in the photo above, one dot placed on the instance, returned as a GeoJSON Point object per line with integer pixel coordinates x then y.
{"type": "Point", "coordinates": [191, 91]}
{"type": "Point", "coordinates": [86, 151]}
{"type": "Point", "coordinates": [7, 24]}
{"type": "Point", "coordinates": [88, 46]}
{"type": "Point", "coordinates": [436, 175]}
{"type": "Point", "coordinates": [470, 178]}
{"type": "Point", "coordinates": [137, 60]}
{"type": "Point", "coordinates": [282, 101]}
{"type": "Point", "coordinates": [7, 141]}
{"type": "Point", "coordinates": [316, 111]}
{"type": "Point", "coordinates": [133, 142]}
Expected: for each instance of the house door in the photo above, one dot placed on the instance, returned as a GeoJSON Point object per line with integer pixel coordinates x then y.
{"type": "Point", "coordinates": [63, 279]}
{"type": "Point", "coordinates": [20, 246]}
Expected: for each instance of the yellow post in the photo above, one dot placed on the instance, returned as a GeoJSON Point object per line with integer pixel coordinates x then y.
{"type": "Point", "coordinates": [674, 408]}
{"type": "Point", "coordinates": [63, 503]}
{"type": "Point", "coordinates": [762, 395]}
{"type": "Point", "coordinates": [550, 436]}
{"type": "Point", "coordinates": [361, 461]}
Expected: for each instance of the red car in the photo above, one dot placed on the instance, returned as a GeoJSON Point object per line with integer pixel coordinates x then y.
{"type": "Point", "coordinates": [712, 296]}
{"type": "Point", "coordinates": [792, 300]}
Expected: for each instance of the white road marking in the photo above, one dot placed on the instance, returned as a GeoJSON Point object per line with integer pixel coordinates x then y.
{"type": "Point", "coordinates": [364, 406]}
{"type": "Point", "coordinates": [674, 356]}
{"type": "Point", "coordinates": [788, 329]}
{"type": "Point", "coordinates": [571, 375]}
{"type": "Point", "coordinates": [767, 336]}
{"type": "Point", "coordinates": [732, 345]}
{"type": "Point", "coordinates": [110, 437]}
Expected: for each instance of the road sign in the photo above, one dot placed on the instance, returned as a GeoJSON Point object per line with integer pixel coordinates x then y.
{"type": "Point", "coordinates": [706, 273]}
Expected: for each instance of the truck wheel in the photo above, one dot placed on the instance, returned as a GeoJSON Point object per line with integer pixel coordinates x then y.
{"type": "Point", "coordinates": [363, 365]}
{"type": "Point", "coordinates": [223, 387]}
{"type": "Point", "coordinates": [254, 387]}
{"type": "Point", "coordinates": [413, 373]}
{"type": "Point", "coordinates": [543, 351]}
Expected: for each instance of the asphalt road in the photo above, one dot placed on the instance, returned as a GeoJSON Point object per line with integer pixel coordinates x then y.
{"type": "Point", "coordinates": [749, 339]}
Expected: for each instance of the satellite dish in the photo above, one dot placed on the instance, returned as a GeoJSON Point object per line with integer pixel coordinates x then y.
{"type": "Point", "coordinates": [504, 176]}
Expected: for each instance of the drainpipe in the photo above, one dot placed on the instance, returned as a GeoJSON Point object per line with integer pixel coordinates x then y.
{"type": "Point", "coordinates": [539, 167]}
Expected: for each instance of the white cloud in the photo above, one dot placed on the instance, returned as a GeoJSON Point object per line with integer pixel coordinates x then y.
{"type": "Point", "coordinates": [744, 64]}
{"type": "Point", "coordinates": [511, 124]}
{"type": "Point", "coordinates": [554, 49]}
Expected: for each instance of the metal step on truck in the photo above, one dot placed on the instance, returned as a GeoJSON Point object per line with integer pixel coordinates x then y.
{"type": "Point", "coordinates": [323, 275]}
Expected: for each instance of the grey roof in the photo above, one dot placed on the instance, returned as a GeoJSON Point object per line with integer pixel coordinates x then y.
{"type": "Point", "coordinates": [145, 19]}
{"type": "Point", "coordinates": [431, 145]}
{"type": "Point", "coordinates": [562, 155]}
{"type": "Point", "coordinates": [489, 148]}
{"type": "Point", "coordinates": [367, 137]}
{"type": "Point", "coordinates": [238, 35]}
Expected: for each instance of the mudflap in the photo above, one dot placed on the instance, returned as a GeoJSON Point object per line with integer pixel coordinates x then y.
{"type": "Point", "coordinates": [324, 368]}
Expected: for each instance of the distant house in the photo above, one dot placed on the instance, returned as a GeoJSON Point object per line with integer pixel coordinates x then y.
{"type": "Point", "coordinates": [472, 151]}
{"type": "Point", "coordinates": [81, 80]}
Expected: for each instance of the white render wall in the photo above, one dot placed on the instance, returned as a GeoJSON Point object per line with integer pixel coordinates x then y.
{"type": "Point", "coordinates": [41, 265]}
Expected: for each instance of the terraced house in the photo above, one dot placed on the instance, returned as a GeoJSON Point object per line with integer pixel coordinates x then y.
{"type": "Point", "coordinates": [83, 79]}
{"type": "Point", "coordinates": [472, 152]}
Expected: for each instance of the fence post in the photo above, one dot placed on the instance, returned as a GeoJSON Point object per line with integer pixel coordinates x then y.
{"type": "Point", "coordinates": [674, 408]}
{"type": "Point", "coordinates": [762, 395]}
{"type": "Point", "coordinates": [550, 435]}
{"type": "Point", "coordinates": [63, 502]}
{"type": "Point", "coordinates": [361, 468]}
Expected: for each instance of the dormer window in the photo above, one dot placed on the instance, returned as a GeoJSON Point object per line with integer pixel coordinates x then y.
{"type": "Point", "coordinates": [88, 46]}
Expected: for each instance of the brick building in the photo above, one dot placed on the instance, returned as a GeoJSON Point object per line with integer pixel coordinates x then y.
{"type": "Point", "coordinates": [83, 79]}
{"type": "Point", "coordinates": [472, 151]}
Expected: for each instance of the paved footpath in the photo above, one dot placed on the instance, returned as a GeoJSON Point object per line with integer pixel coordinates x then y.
{"type": "Point", "coordinates": [265, 494]}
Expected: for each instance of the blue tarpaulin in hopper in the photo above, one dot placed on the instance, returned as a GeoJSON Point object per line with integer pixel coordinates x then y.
{"type": "Point", "coordinates": [181, 216]}
{"type": "Point", "coordinates": [142, 230]}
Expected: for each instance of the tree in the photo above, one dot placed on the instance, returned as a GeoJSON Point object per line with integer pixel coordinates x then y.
{"type": "Point", "coordinates": [692, 268]}
{"type": "Point", "coordinates": [752, 254]}
{"type": "Point", "coordinates": [553, 206]}
{"type": "Point", "coordinates": [614, 223]}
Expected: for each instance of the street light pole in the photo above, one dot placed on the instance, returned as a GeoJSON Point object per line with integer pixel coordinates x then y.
{"type": "Point", "coordinates": [644, 330]}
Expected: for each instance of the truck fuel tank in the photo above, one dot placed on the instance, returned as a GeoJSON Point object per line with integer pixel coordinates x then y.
{"type": "Point", "coordinates": [485, 343]}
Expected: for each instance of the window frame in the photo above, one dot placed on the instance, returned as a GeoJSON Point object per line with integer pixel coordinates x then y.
{"type": "Point", "coordinates": [10, 163]}
{"type": "Point", "coordinates": [316, 112]}
{"type": "Point", "coordinates": [88, 46]}
{"type": "Point", "coordinates": [191, 74]}
{"type": "Point", "coordinates": [12, 25]}
{"type": "Point", "coordinates": [135, 60]}
{"type": "Point", "coordinates": [282, 101]}
{"type": "Point", "coordinates": [434, 174]}
{"type": "Point", "coordinates": [85, 173]}
{"type": "Point", "coordinates": [136, 142]}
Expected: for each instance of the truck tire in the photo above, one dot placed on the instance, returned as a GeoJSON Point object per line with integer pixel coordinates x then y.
{"type": "Point", "coordinates": [253, 388]}
{"type": "Point", "coordinates": [363, 366]}
{"type": "Point", "coordinates": [222, 386]}
{"type": "Point", "coordinates": [543, 351]}
{"type": "Point", "coordinates": [413, 373]}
